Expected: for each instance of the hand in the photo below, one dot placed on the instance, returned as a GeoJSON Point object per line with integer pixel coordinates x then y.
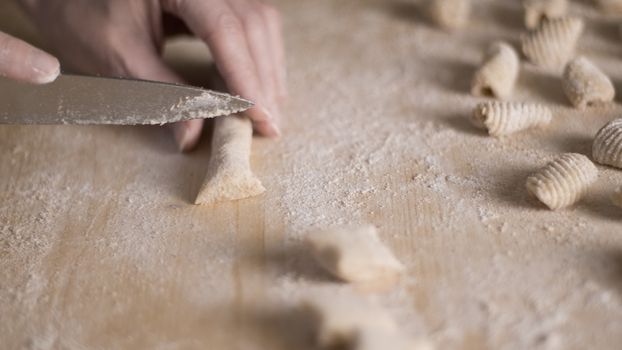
{"type": "Point", "coordinates": [21, 61]}
{"type": "Point", "coordinates": [125, 38]}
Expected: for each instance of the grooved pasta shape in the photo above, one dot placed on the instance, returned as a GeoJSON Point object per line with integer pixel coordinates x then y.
{"type": "Point", "coordinates": [450, 14]}
{"type": "Point", "coordinates": [356, 255]}
{"type": "Point", "coordinates": [553, 43]}
{"type": "Point", "coordinates": [497, 75]}
{"type": "Point", "coordinates": [229, 176]}
{"type": "Point", "coordinates": [504, 118]}
{"type": "Point", "coordinates": [537, 11]}
{"type": "Point", "coordinates": [616, 198]}
{"type": "Point", "coordinates": [607, 146]}
{"type": "Point", "coordinates": [584, 84]}
{"type": "Point", "coordinates": [563, 181]}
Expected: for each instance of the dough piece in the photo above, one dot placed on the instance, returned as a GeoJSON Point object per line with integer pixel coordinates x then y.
{"type": "Point", "coordinates": [563, 181]}
{"type": "Point", "coordinates": [497, 76]}
{"type": "Point", "coordinates": [617, 197]}
{"type": "Point", "coordinates": [371, 340]}
{"type": "Point", "coordinates": [584, 84]}
{"type": "Point", "coordinates": [610, 6]}
{"type": "Point", "coordinates": [343, 318]}
{"type": "Point", "coordinates": [607, 147]}
{"type": "Point", "coordinates": [356, 255]}
{"type": "Point", "coordinates": [229, 176]}
{"type": "Point", "coordinates": [553, 44]}
{"type": "Point", "coordinates": [347, 321]}
{"type": "Point", "coordinates": [450, 14]}
{"type": "Point", "coordinates": [504, 118]}
{"type": "Point", "coordinates": [537, 11]}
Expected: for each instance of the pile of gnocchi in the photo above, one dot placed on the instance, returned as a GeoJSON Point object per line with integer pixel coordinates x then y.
{"type": "Point", "coordinates": [549, 43]}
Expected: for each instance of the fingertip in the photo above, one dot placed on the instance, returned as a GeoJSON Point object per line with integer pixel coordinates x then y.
{"type": "Point", "coordinates": [268, 129]}
{"type": "Point", "coordinates": [45, 66]}
{"type": "Point", "coordinates": [187, 134]}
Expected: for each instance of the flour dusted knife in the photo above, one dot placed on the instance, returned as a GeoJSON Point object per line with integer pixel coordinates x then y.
{"type": "Point", "coordinates": [74, 99]}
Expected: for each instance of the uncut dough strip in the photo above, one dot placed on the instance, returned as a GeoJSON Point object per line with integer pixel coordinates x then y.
{"type": "Point", "coordinates": [229, 176]}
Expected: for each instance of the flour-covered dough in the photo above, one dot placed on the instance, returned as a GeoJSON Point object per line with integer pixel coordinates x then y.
{"type": "Point", "coordinates": [497, 75]}
{"type": "Point", "coordinates": [356, 255]}
{"type": "Point", "coordinates": [229, 176]}
{"type": "Point", "coordinates": [563, 181]}
{"type": "Point", "coordinates": [585, 84]}
{"type": "Point", "coordinates": [504, 118]}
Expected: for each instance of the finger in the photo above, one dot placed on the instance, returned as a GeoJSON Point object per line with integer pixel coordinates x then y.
{"type": "Point", "coordinates": [277, 47]}
{"type": "Point", "coordinates": [21, 61]}
{"type": "Point", "coordinates": [149, 66]}
{"type": "Point", "coordinates": [216, 24]}
{"type": "Point", "coordinates": [258, 38]}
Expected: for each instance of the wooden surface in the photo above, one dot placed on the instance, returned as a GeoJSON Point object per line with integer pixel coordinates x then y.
{"type": "Point", "coordinates": [100, 247]}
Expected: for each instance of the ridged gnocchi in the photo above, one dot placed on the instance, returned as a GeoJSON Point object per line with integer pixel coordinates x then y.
{"type": "Point", "coordinates": [584, 84]}
{"type": "Point", "coordinates": [553, 43]}
{"type": "Point", "coordinates": [537, 11]}
{"type": "Point", "coordinates": [504, 118]}
{"type": "Point", "coordinates": [450, 14]}
{"type": "Point", "coordinates": [498, 74]}
{"type": "Point", "coordinates": [563, 181]}
{"type": "Point", "coordinates": [607, 146]}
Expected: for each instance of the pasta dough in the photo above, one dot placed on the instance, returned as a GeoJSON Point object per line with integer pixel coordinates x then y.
{"type": "Point", "coordinates": [584, 84]}
{"type": "Point", "coordinates": [347, 321]}
{"type": "Point", "coordinates": [450, 14]}
{"type": "Point", "coordinates": [229, 176]}
{"type": "Point", "coordinates": [563, 181]}
{"type": "Point", "coordinates": [554, 43]}
{"type": "Point", "coordinates": [504, 118]}
{"type": "Point", "coordinates": [356, 255]}
{"type": "Point", "coordinates": [537, 11]}
{"type": "Point", "coordinates": [497, 76]}
{"type": "Point", "coordinates": [607, 147]}
{"type": "Point", "coordinates": [617, 197]}
{"type": "Point", "coordinates": [342, 318]}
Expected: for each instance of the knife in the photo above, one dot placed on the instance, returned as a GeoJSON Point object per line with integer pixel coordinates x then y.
{"type": "Point", "coordinates": [75, 99]}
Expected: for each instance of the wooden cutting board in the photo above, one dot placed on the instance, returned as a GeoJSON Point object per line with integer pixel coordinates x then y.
{"type": "Point", "coordinates": [100, 246]}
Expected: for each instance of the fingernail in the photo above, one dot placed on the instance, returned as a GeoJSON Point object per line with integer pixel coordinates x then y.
{"type": "Point", "coordinates": [182, 137]}
{"type": "Point", "coordinates": [273, 128]}
{"type": "Point", "coordinates": [46, 67]}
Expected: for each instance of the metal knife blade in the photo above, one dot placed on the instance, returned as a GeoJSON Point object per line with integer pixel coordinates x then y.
{"type": "Point", "coordinates": [75, 99]}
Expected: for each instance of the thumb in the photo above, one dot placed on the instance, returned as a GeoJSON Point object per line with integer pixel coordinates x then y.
{"type": "Point", "coordinates": [22, 61]}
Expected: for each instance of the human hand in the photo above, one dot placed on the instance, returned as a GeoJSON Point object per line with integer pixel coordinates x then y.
{"type": "Point", "coordinates": [21, 61]}
{"type": "Point", "coordinates": [125, 38]}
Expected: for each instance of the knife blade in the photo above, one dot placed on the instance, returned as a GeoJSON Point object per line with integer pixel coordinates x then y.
{"type": "Point", "coordinates": [76, 99]}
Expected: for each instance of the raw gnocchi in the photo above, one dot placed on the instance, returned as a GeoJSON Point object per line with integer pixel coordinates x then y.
{"type": "Point", "coordinates": [497, 76]}
{"type": "Point", "coordinates": [607, 147]}
{"type": "Point", "coordinates": [537, 11]}
{"type": "Point", "coordinates": [450, 14]}
{"type": "Point", "coordinates": [347, 321]}
{"type": "Point", "coordinates": [229, 176]}
{"type": "Point", "coordinates": [504, 118]}
{"type": "Point", "coordinates": [342, 318]}
{"type": "Point", "coordinates": [563, 181]}
{"type": "Point", "coordinates": [356, 255]}
{"type": "Point", "coordinates": [553, 43]}
{"type": "Point", "coordinates": [584, 84]}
